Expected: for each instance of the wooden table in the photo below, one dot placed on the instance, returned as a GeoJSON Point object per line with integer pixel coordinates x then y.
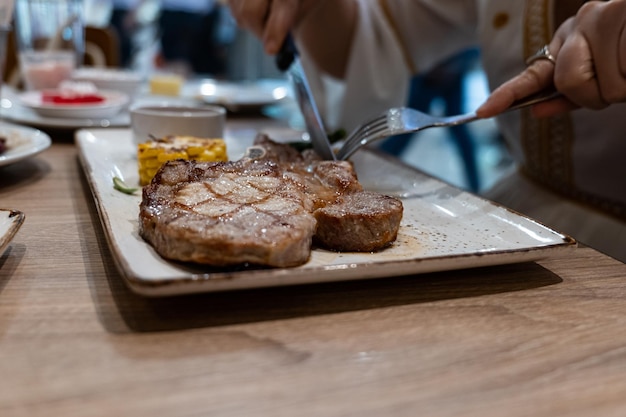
{"type": "Point", "coordinates": [532, 339]}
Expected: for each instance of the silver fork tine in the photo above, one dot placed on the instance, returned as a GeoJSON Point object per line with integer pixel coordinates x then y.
{"type": "Point", "coordinates": [366, 131]}
{"type": "Point", "coordinates": [365, 136]}
{"type": "Point", "coordinates": [374, 126]}
{"type": "Point", "coordinates": [364, 128]}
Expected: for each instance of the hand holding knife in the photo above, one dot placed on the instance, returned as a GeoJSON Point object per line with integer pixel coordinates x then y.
{"type": "Point", "coordinates": [288, 60]}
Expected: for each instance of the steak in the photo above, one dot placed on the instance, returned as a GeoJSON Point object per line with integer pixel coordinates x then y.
{"type": "Point", "coordinates": [360, 222]}
{"type": "Point", "coordinates": [263, 210]}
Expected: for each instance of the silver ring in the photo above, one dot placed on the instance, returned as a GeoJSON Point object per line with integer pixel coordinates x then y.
{"type": "Point", "coordinates": [543, 53]}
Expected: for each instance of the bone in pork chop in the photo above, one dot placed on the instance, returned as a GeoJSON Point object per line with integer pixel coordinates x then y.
{"type": "Point", "coordinates": [263, 211]}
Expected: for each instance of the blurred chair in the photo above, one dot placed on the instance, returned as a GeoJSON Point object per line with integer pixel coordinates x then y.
{"type": "Point", "coordinates": [101, 47]}
{"type": "Point", "coordinates": [101, 50]}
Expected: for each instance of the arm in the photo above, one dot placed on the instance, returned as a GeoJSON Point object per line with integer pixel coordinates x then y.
{"type": "Point", "coordinates": [590, 67]}
{"type": "Point", "coordinates": [315, 24]}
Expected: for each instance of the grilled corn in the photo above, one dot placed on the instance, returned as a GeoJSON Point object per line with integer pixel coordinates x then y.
{"type": "Point", "coordinates": [152, 154]}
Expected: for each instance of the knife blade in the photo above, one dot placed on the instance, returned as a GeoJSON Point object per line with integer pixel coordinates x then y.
{"type": "Point", "coordinates": [287, 60]}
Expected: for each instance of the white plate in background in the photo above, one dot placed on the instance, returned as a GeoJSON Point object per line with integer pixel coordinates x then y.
{"type": "Point", "coordinates": [443, 228]}
{"type": "Point", "coordinates": [114, 102]}
{"type": "Point", "coordinates": [23, 142]}
{"type": "Point", "coordinates": [17, 113]}
{"type": "Point", "coordinates": [245, 95]}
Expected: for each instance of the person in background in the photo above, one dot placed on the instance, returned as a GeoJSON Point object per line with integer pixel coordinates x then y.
{"type": "Point", "coordinates": [123, 20]}
{"type": "Point", "coordinates": [188, 37]}
{"type": "Point", "coordinates": [570, 163]}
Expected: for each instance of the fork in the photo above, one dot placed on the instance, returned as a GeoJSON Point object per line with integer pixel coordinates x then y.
{"type": "Point", "coordinates": [399, 120]}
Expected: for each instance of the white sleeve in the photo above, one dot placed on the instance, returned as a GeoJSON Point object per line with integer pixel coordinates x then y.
{"type": "Point", "coordinates": [371, 87]}
{"type": "Point", "coordinates": [393, 40]}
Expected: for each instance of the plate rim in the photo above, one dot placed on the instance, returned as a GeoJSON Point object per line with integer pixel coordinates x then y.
{"type": "Point", "coordinates": [39, 141]}
{"type": "Point", "coordinates": [112, 99]}
{"type": "Point", "coordinates": [18, 218]}
{"type": "Point", "coordinates": [30, 117]}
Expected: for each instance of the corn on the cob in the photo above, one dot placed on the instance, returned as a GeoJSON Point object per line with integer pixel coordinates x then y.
{"type": "Point", "coordinates": [152, 154]}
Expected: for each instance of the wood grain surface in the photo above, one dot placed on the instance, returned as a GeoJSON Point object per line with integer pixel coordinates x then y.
{"type": "Point", "coordinates": [531, 339]}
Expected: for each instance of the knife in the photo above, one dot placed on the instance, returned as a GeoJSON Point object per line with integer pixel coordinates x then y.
{"type": "Point", "coordinates": [288, 60]}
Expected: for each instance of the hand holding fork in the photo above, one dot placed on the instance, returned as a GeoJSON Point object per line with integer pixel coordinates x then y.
{"type": "Point", "coordinates": [399, 120]}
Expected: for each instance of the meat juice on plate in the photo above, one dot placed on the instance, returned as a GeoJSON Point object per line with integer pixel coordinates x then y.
{"type": "Point", "coordinates": [46, 69]}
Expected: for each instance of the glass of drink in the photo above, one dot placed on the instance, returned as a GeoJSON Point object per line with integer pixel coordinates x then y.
{"type": "Point", "coordinates": [50, 40]}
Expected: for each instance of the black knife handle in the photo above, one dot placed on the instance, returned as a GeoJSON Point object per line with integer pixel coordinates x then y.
{"type": "Point", "coordinates": [287, 54]}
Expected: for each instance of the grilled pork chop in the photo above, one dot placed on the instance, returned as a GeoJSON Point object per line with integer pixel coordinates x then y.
{"type": "Point", "coordinates": [264, 210]}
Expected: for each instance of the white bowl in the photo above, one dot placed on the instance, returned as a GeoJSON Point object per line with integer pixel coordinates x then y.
{"type": "Point", "coordinates": [165, 119]}
{"type": "Point", "coordinates": [125, 81]}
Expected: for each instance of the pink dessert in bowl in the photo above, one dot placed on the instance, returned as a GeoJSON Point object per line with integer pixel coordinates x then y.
{"type": "Point", "coordinates": [75, 100]}
{"type": "Point", "coordinates": [73, 93]}
{"type": "Point", "coordinates": [58, 98]}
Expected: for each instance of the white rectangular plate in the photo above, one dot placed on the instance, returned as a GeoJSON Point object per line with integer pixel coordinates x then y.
{"type": "Point", "coordinates": [443, 228]}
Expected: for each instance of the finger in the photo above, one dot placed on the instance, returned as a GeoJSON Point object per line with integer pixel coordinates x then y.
{"type": "Point", "coordinates": [537, 77]}
{"type": "Point", "coordinates": [575, 76]}
{"type": "Point", "coordinates": [553, 108]}
{"type": "Point", "coordinates": [621, 52]}
{"type": "Point", "coordinates": [601, 25]}
{"type": "Point", "coordinates": [250, 15]}
{"type": "Point", "coordinates": [571, 67]}
{"type": "Point", "coordinates": [280, 20]}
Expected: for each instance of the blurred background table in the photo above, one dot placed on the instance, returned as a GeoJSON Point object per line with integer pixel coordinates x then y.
{"type": "Point", "coordinates": [540, 339]}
